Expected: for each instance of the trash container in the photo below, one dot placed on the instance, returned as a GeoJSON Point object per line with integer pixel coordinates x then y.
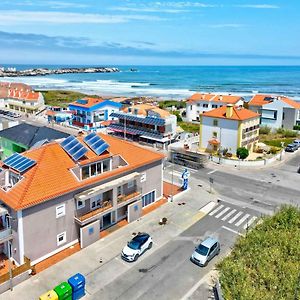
{"type": "Point", "coordinates": [50, 295]}
{"type": "Point", "coordinates": [63, 291]}
{"type": "Point", "coordinates": [77, 282]}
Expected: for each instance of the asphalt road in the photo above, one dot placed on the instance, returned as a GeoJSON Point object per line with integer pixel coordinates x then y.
{"type": "Point", "coordinates": [168, 273]}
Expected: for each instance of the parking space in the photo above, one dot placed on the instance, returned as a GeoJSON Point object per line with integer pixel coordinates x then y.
{"type": "Point", "coordinates": [10, 114]}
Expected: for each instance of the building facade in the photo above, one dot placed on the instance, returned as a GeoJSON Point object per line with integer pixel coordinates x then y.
{"type": "Point", "coordinates": [228, 127]}
{"type": "Point", "coordinates": [145, 123]}
{"type": "Point", "coordinates": [97, 191]}
{"type": "Point", "coordinates": [199, 103]}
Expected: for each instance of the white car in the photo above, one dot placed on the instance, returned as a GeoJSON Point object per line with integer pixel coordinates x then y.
{"type": "Point", "coordinates": [136, 247]}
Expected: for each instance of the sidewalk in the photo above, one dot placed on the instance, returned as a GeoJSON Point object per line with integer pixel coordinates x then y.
{"type": "Point", "coordinates": [101, 263]}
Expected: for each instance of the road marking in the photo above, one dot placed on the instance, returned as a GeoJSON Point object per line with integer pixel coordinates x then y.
{"type": "Point", "coordinates": [216, 210]}
{"type": "Point", "coordinates": [212, 172]}
{"type": "Point", "coordinates": [229, 214]}
{"type": "Point", "coordinates": [235, 217]}
{"type": "Point", "coordinates": [208, 207]}
{"type": "Point", "coordinates": [231, 230]}
{"type": "Point", "coordinates": [222, 212]}
{"type": "Point", "coordinates": [242, 220]}
{"type": "Point", "coordinates": [248, 224]}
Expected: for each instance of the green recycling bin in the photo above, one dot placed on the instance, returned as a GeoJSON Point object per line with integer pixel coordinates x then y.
{"type": "Point", "coordinates": [63, 291]}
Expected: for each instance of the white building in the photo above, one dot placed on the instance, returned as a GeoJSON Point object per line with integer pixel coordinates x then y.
{"type": "Point", "coordinates": [228, 127]}
{"type": "Point", "coordinates": [199, 103]}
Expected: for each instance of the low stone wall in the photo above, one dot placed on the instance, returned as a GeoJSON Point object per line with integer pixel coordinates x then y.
{"type": "Point", "coordinates": [248, 163]}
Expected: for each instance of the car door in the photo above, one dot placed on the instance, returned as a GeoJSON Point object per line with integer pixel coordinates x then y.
{"type": "Point", "coordinates": [144, 245]}
{"type": "Point", "coordinates": [212, 251]}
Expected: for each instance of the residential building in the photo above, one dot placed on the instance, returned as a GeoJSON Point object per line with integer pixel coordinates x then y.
{"type": "Point", "coordinates": [145, 123]}
{"type": "Point", "coordinates": [59, 114]}
{"type": "Point", "coordinates": [199, 103]}
{"type": "Point", "coordinates": [228, 127]}
{"type": "Point", "coordinates": [88, 113]}
{"type": "Point", "coordinates": [276, 111]}
{"type": "Point", "coordinates": [20, 97]}
{"type": "Point", "coordinates": [24, 136]}
{"type": "Point", "coordinates": [67, 192]}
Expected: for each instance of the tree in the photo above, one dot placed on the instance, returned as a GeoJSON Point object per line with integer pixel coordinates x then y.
{"type": "Point", "coordinates": [242, 152]}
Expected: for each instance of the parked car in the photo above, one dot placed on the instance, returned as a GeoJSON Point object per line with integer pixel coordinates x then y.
{"type": "Point", "coordinates": [136, 247]}
{"type": "Point", "coordinates": [296, 143]}
{"type": "Point", "coordinates": [206, 251]}
{"type": "Point", "coordinates": [290, 148]}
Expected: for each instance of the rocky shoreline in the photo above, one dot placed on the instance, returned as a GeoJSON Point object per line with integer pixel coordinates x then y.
{"type": "Point", "coordinates": [44, 71]}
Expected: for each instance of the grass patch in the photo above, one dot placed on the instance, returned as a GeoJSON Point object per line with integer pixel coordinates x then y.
{"type": "Point", "coordinates": [277, 143]}
{"type": "Point", "coordinates": [170, 103]}
{"type": "Point", "coordinates": [62, 98]}
{"type": "Point", "coordinates": [189, 127]}
{"type": "Point", "coordinates": [265, 264]}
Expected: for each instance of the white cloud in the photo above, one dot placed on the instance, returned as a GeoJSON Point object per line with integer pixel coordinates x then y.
{"type": "Point", "coordinates": [9, 17]}
{"type": "Point", "coordinates": [258, 6]}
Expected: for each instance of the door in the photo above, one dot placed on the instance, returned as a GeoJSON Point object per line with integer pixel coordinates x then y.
{"type": "Point", "coordinates": [106, 220]}
{"type": "Point", "coordinates": [148, 198]}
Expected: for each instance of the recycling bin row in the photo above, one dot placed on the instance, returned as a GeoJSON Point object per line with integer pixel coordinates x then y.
{"type": "Point", "coordinates": [74, 289]}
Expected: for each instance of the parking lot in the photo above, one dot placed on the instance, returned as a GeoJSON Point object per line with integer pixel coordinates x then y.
{"type": "Point", "coordinates": [6, 113]}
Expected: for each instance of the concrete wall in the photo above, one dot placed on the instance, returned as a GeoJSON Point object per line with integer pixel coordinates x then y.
{"type": "Point", "coordinates": [89, 234]}
{"type": "Point", "coordinates": [289, 117]}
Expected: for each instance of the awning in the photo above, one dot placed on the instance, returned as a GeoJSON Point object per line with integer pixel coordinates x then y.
{"type": "Point", "coordinates": [214, 142]}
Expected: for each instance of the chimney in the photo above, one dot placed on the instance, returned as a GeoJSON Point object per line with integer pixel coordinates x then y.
{"type": "Point", "coordinates": [229, 111]}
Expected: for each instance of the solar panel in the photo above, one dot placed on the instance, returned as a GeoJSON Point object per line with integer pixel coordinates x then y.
{"type": "Point", "coordinates": [19, 163]}
{"type": "Point", "coordinates": [73, 147]}
{"type": "Point", "coordinates": [96, 143]}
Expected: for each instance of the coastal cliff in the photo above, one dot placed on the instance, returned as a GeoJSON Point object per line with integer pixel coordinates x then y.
{"type": "Point", "coordinates": [10, 72]}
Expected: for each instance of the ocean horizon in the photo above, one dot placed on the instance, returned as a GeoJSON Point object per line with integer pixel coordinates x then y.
{"type": "Point", "coordinates": [170, 82]}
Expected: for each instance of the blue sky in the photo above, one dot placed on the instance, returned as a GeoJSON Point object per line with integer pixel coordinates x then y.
{"type": "Point", "coordinates": [112, 32]}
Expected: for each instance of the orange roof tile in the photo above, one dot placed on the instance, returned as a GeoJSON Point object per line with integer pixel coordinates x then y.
{"type": "Point", "coordinates": [238, 113]}
{"type": "Point", "coordinates": [260, 100]}
{"type": "Point", "coordinates": [90, 102]}
{"type": "Point", "coordinates": [291, 102]}
{"type": "Point", "coordinates": [44, 181]}
{"type": "Point", "coordinates": [214, 98]}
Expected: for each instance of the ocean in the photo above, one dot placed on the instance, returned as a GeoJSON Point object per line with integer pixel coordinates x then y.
{"type": "Point", "coordinates": [173, 82]}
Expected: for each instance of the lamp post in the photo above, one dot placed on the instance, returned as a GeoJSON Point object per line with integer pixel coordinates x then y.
{"type": "Point", "coordinates": [9, 255]}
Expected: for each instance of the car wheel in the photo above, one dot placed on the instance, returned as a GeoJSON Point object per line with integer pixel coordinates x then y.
{"type": "Point", "coordinates": [150, 246]}
{"type": "Point", "coordinates": [205, 264]}
{"type": "Point", "coordinates": [218, 252]}
{"type": "Point", "coordinates": [136, 257]}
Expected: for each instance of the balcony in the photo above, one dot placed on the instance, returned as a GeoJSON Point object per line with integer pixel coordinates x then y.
{"type": "Point", "coordinates": [5, 235]}
{"type": "Point", "coordinates": [125, 199]}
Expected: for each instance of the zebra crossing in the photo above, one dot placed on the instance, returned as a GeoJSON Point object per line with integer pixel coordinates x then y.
{"type": "Point", "coordinates": [233, 216]}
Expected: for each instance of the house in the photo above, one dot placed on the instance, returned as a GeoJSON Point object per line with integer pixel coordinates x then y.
{"type": "Point", "coordinates": [67, 192]}
{"type": "Point", "coordinates": [228, 127]}
{"type": "Point", "coordinates": [276, 111]}
{"type": "Point", "coordinates": [58, 114]}
{"type": "Point", "coordinates": [25, 136]}
{"type": "Point", "coordinates": [88, 113]}
{"type": "Point", "coordinates": [145, 123]}
{"type": "Point", "coordinates": [20, 97]}
{"type": "Point", "coordinates": [199, 103]}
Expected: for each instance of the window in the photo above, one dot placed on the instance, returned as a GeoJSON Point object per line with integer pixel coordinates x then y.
{"type": "Point", "coordinates": [198, 104]}
{"type": "Point", "coordinates": [215, 134]}
{"type": "Point", "coordinates": [214, 106]}
{"type": "Point", "coordinates": [80, 204]}
{"type": "Point", "coordinates": [99, 168]}
{"type": "Point", "coordinates": [205, 105]}
{"type": "Point", "coordinates": [215, 122]}
{"type": "Point", "coordinates": [93, 170]}
{"type": "Point", "coordinates": [96, 202]}
{"type": "Point", "coordinates": [85, 172]}
{"type": "Point", "coordinates": [131, 184]}
{"type": "Point", "coordinates": [60, 210]}
{"type": "Point", "coordinates": [106, 164]}
{"type": "Point", "coordinates": [61, 238]}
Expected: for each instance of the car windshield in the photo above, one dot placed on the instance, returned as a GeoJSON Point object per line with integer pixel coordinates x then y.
{"type": "Point", "coordinates": [133, 245]}
{"type": "Point", "coordinates": [202, 250]}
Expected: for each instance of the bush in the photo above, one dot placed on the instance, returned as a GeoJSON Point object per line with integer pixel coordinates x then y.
{"type": "Point", "coordinates": [264, 130]}
{"type": "Point", "coordinates": [177, 114]}
{"type": "Point", "coordinates": [289, 133]}
{"type": "Point", "coordinates": [277, 143]}
{"type": "Point", "coordinates": [242, 152]}
{"type": "Point", "coordinates": [274, 150]}
{"type": "Point", "coordinates": [296, 127]}
{"type": "Point", "coordinates": [280, 130]}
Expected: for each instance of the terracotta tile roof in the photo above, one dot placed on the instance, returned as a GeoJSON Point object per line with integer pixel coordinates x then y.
{"type": "Point", "coordinates": [89, 102]}
{"type": "Point", "coordinates": [44, 180]}
{"type": "Point", "coordinates": [291, 102]}
{"type": "Point", "coordinates": [142, 109]}
{"type": "Point", "coordinates": [238, 113]}
{"type": "Point", "coordinates": [260, 100]}
{"type": "Point", "coordinates": [230, 99]}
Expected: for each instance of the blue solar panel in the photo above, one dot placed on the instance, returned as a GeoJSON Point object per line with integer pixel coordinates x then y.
{"type": "Point", "coordinates": [96, 143]}
{"type": "Point", "coordinates": [74, 148]}
{"type": "Point", "coordinates": [19, 163]}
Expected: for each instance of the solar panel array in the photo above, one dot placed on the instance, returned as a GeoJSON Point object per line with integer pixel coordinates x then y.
{"type": "Point", "coordinates": [73, 147]}
{"type": "Point", "coordinates": [96, 143]}
{"type": "Point", "coordinates": [19, 162]}
{"type": "Point", "coordinates": [145, 120]}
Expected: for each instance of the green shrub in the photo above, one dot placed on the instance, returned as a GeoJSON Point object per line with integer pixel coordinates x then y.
{"type": "Point", "coordinates": [277, 143]}
{"type": "Point", "coordinates": [274, 150]}
{"type": "Point", "coordinates": [280, 130]}
{"type": "Point", "coordinates": [177, 114]}
{"type": "Point", "coordinates": [189, 127]}
{"type": "Point", "coordinates": [289, 133]}
{"type": "Point", "coordinates": [296, 127]}
{"type": "Point", "coordinates": [264, 130]}
{"type": "Point", "coordinates": [242, 152]}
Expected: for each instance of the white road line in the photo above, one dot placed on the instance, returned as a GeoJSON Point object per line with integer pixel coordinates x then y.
{"type": "Point", "coordinates": [231, 230]}
{"type": "Point", "coordinates": [222, 212]}
{"type": "Point", "coordinates": [248, 224]}
{"type": "Point", "coordinates": [242, 220]}
{"type": "Point", "coordinates": [208, 207]}
{"type": "Point", "coordinates": [235, 217]}
{"type": "Point", "coordinates": [229, 214]}
{"type": "Point", "coordinates": [212, 172]}
{"type": "Point", "coordinates": [216, 210]}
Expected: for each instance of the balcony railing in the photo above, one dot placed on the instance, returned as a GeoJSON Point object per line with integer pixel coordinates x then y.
{"type": "Point", "coordinates": [124, 198]}
{"type": "Point", "coordinates": [106, 205]}
{"type": "Point", "coordinates": [5, 234]}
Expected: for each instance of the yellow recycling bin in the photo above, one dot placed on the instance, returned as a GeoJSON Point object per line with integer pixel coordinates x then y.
{"type": "Point", "coordinates": [50, 295]}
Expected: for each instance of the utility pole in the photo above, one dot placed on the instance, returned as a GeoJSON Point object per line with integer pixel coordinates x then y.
{"type": "Point", "coordinates": [124, 127]}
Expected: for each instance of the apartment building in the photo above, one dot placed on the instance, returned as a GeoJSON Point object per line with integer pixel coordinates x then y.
{"type": "Point", "coordinates": [64, 192]}
{"type": "Point", "coordinates": [199, 103]}
{"type": "Point", "coordinates": [228, 127]}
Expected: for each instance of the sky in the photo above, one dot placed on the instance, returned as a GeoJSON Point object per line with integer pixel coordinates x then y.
{"type": "Point", "coordinates": [146, 32]}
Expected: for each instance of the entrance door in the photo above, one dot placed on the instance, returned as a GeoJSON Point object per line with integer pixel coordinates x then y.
{"type": "Point", "coordinates": [148, 198]}
{"type": "Point", "coordinates": [106, 220]}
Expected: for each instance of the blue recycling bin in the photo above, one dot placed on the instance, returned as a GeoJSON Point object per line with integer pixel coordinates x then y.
{"type": "Point", "coordinates": [77, 282]}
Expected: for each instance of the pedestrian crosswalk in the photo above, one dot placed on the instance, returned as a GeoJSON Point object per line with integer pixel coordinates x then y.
{"type": "Point", "coordinates": [233, 216]}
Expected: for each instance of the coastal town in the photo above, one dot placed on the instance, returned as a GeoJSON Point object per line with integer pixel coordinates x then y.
{"type": "Point", "coordinates": [96, 171]}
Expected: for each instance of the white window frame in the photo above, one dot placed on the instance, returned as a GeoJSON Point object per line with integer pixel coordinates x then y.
{"type": "Point", "coordinates": [60, 207]}
{"type": "Point", "coordinates": [80, 206]}
{"type": "Point", "coordinates": [64, 235]}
